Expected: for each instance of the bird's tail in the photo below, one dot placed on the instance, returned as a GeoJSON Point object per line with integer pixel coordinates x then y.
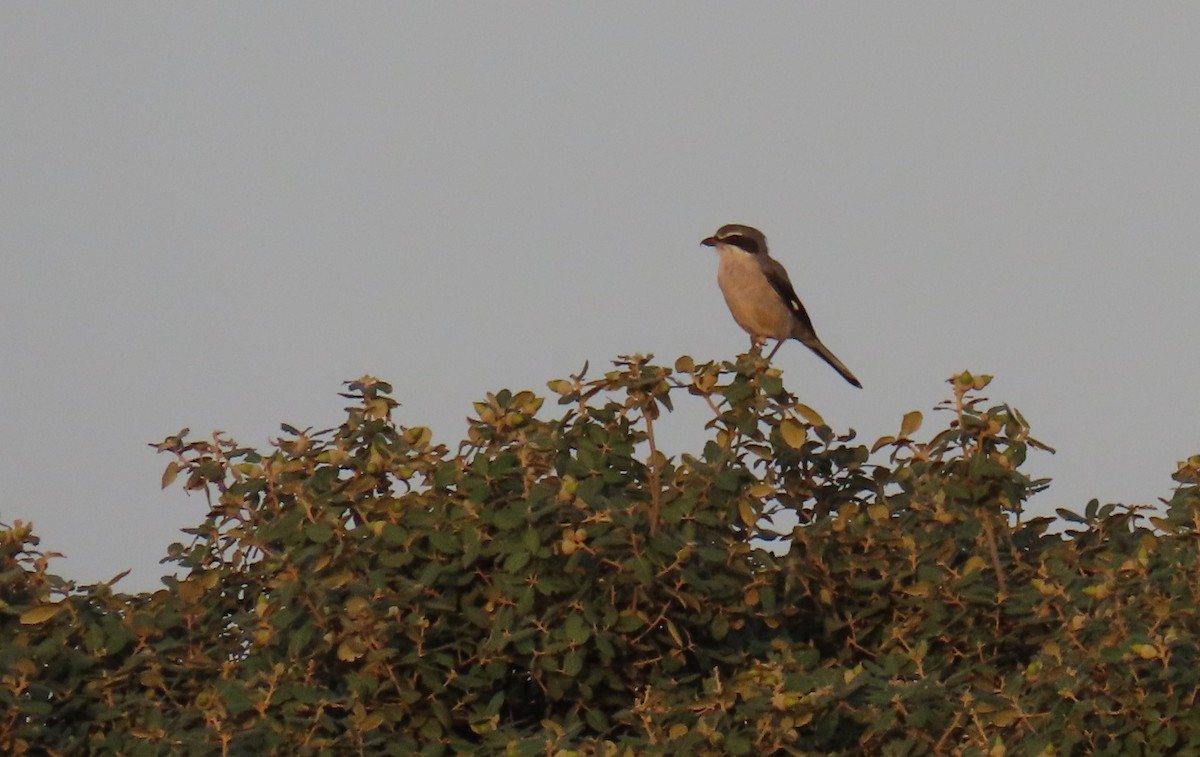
{"type": "Point", "coordinates": [823, 352]}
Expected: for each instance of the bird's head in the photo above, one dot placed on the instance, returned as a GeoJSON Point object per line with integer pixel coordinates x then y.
{"type": "Point", "coordinates": [745, 238]}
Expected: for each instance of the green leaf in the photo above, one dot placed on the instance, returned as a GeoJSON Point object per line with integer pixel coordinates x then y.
{"type": "Point", "coordinates": [573, 663]}
{"type": "Point", "coordinates": [516, 561]}
{"type": "Point", "coordinates": [577, 629]}
{"type": "Point", "coordinates": [233, 696]}
{"type": "Point", "coordinates": [444, 542]}
{"type": "Point", "coordinates": [39, 614]}
{"type": "Point", "coordinates": [720, 627]}
{"type": "Point", "coordinates": [767, 599]}
{"type": "Point", "coordinates": [169, 475]}
{"type": "Point", "coordinates": [596, 720]}
{"type": "Point", "coordinates": [794, 433]}
{"type": "Point", "coordinates": [445, 475]}
{"type": "Point", "coordinates": [509, 518]}
{"type": "Point", "coordinates": [772, 385]}
{"type": "Point", "coordinates": [531, 540]}
{"type": "Point", "coordinates": [318, 533]}
{"type": "Point", "coordinates": [643, 572]}
{"type": "Point", "coordinates": [808, 414]}
{"type": "Point", "coordinates": [629, 622]}
{"type": "Point", "coordinates": [738, 392]}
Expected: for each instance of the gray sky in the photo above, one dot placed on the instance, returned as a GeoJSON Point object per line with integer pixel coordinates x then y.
{"type": "Point", "coordinates": [211, 214]}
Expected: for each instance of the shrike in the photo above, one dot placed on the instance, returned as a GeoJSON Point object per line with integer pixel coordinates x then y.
{"type": "Point", "coordinates": [760, 294]}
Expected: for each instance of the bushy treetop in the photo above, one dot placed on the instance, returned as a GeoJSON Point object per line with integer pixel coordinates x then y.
{"type": "Point", "coordinates": [556, 584]}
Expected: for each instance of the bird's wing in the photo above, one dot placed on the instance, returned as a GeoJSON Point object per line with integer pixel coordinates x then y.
{"type": "Point", "coordinates": [783, 287]}
{"type": "Point", "coordinates": [803, 329]}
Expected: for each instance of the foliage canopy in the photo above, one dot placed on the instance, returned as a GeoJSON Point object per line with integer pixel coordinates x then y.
{"type": "Point", "coordinates": [558, 585]}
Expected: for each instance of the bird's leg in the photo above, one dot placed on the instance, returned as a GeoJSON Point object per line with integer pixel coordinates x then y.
{"type": "Point", "coordinates": [757, 342]}
{"type": "Point", "coordinates": [777, 346]}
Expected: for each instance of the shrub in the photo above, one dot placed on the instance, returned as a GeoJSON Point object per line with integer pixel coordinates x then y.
{"type": "Point", "coordinates": [558, 585]}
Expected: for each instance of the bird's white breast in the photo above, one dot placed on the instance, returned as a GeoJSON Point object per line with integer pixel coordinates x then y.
{"type": "Point", "coordinates": [752, 300]}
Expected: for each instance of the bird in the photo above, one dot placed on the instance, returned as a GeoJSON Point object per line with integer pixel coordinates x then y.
{"type": "Point", "coordinates": [760, 294]}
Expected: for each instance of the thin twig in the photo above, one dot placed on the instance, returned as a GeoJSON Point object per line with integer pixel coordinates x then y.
{"type": "Point", "coordinates": [655, 473]}
{"type": "Point", "coordinates": [991, 537]}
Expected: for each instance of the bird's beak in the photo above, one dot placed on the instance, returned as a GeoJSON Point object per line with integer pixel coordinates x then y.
{"type": "Point", "coordinates": [709, 242]}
